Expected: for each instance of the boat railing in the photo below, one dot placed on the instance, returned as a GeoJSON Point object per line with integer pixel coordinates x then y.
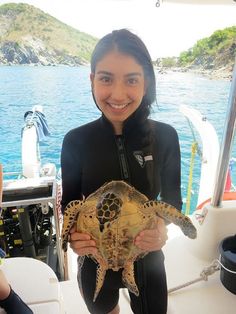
{"type": "Point", "coordinates": [226, 146]}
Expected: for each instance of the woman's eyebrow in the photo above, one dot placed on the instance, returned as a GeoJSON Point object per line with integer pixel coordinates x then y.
{"type": "Point", "coordinates": [133, 74]}
{"type": "Point", "coordinates": [104, 72]}
{"type": "Point", "coordinates": [126, 75]}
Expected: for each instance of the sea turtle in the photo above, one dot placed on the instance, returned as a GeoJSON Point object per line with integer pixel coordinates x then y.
{"type": "Point", "coordinates": [113, 216]}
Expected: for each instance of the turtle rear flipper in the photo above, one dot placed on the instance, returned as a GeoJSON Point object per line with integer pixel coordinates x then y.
{"type": "Point", "coordinates": [101, 272]}
{"type": "Point", "coordinates": [128, 278]}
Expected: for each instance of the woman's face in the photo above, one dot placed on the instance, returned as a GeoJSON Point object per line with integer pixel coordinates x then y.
{"type": "Point", "coordinates": [118, 86]}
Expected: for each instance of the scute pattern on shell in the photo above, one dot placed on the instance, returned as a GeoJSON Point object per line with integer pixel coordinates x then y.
{"type": "Point", "coordinates": [113, 216]}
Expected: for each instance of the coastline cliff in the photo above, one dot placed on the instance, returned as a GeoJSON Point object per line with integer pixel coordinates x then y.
{"type": "Point", "coordinates": [30, 36]}
{"type": "Point", "coordinates": [212, 56]}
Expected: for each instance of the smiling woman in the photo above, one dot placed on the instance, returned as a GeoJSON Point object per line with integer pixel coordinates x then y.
{"type": "Point", "coordinates": [111, 148]}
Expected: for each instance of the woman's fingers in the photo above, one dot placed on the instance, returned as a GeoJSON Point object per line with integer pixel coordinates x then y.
{"type": "Point", "coordinates": [77, 236]}
{"type": "Point", "coordinates": [81, 243]}
{"type": "Point", "coordinates": [152, 239]}
{"type": "Point", "coordinates": [83, 247]}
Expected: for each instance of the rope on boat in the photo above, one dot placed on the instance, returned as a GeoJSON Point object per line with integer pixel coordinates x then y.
{"type": "Point", "coordinates": [194, 149]}
{"type": "Point", "coordinates": [199, 151]}
{"type": "Point", "coordinates": [225, 268]}
{"type": "Point", "coordinates": [190, 179]}
{"type": "Point", "coordinates": [205, 273]}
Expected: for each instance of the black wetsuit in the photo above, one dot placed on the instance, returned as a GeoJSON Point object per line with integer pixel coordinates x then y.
{"type": "Point", "coordinates": [14, 304]}
{"type": "Point", "coordinates": [92, 155]}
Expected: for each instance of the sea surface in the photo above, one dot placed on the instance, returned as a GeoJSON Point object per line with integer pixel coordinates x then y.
{"type": "Point", "coordinates": [65, 94]}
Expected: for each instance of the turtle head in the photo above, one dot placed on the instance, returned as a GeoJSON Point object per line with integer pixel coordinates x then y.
{"type": "Point", "coordinates": [120, 188]}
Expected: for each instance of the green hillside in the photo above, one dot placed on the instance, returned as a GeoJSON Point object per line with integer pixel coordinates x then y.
{"type": "Point", "coordinates": [215, 51]}
{"type": "Point", "coordinates": [28, 35]}
{"type": "Point", "coordinates": [213, 56]}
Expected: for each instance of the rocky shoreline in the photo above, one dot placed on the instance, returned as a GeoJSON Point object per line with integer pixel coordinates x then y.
{"type": "Point", "coordinates": [223, 73]}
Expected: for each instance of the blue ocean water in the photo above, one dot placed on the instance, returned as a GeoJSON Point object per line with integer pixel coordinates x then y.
{"type": "Point", "coordinates": [66, 97]}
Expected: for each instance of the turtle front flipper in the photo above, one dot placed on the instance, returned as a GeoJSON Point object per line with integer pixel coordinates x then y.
{"type": "Point", "coordinates": [172, 214]}
{"type": "Point", "coordinates": [128, 278]}
{"type": "Point", "coordinates": [69, 218]}
{"type": "Point", "coordinates": [101, 272]}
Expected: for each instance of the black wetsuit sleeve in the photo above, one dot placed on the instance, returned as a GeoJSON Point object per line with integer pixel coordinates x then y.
{"type": "Point", "coordinates": [171, 170]}
{"type": "Point", "coordinates": [70, 170]}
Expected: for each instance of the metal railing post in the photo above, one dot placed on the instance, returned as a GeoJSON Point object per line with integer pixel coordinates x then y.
{"type": "Point", "coordinates": [226, 146]}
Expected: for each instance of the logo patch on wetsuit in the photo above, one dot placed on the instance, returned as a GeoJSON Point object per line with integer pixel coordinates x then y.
{"type": "Point", "coordinates": [141, 159]}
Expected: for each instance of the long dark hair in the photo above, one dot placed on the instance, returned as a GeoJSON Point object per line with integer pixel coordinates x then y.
{"type": "Point", "coordinates": [128, 43]}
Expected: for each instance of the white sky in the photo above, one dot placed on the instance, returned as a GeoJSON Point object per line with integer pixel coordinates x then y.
{"type": "Point", "coordinates": [166, 31]}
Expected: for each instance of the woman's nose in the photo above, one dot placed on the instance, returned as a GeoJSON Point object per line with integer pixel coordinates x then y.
{"type": "Point", "coordinates": [118, 91]}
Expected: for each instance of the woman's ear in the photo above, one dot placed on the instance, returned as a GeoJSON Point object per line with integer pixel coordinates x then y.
{"type": "Point", "coordinates": [91, 79]}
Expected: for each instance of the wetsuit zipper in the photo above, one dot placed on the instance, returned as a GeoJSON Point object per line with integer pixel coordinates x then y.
{"type": "Point", "coordinates": [123, 159]}
{"type": "Point", "coordinates": [140, 266]}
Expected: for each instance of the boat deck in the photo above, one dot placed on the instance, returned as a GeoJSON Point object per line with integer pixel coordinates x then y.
{"type": "Point", "coordinates": [38, 285]}
{"type": "Point", "coordinates": [202, 297]}
{"type": "Point", "coordinates": [70, 288]}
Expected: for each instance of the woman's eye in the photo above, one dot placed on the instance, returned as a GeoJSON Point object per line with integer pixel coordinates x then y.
{"type": "Point", "coordinates": [132, 81]}
{"type": "Point", "coordinates": [105, 79]}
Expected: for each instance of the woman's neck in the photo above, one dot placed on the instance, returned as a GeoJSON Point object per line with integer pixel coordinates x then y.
{"type": "Point", "coordinates": [118, 127]}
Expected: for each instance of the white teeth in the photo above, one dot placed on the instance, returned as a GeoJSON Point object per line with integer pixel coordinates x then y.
{"type": "Point", "coordinates": [118, 106]}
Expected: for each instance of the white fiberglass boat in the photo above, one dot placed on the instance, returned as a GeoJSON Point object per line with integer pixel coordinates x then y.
{"type": "Point", "coordinates": [202, 273]}
{"type": "Point", "coordinates": [30, 224]}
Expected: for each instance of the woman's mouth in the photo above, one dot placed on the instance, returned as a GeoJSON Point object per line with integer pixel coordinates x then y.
{"type": "Point", "coordinates": [118, 106]}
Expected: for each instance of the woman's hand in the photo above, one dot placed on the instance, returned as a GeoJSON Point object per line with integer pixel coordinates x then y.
{"type": "Point", "coordinates": [152, 239]}
{"type": "Point", "coordinates": [81, 243]}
